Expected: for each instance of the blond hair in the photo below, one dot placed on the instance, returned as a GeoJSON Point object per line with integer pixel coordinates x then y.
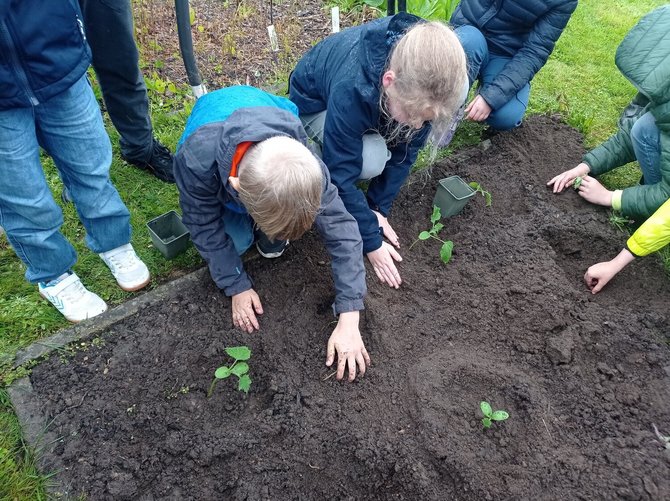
{"type": "Point", "coordinates": [280, 185]}
{"type": "Point", "coordinates": [430, 75]}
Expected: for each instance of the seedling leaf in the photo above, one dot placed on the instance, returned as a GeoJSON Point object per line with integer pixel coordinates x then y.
{"type": "Point", "coordinates": [437, 228]}
{"type": "Point", "coordinates": [424, 235]}
{"type": "Point", "coordinates": [577, 182]}
{"type": "Point", "coordinates": [488, 198]}
{"type": "Point", "coordinates": [244, 384]}
{"type": "Point", "coordinates": [486, 422]}
{"type": "Point", "coordinates": [499, 415]}
{"type": "Point", "coordinates": [240, 369]}
{"type": "Point", "coordinates": [446, 250]}
{"type": "Point", "coordinates": [474, 185]}
{"type": "Point", "coordinates": [239, 352]}
{"type": "Point", "coordinates": [222, 372]}
{"type": "Point", "coordinates": [436, 214]}
{"type": "Point", "coordinates": [486, 408]}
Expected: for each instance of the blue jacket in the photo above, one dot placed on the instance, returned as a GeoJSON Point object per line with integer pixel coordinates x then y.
{"type": "Point", "coordinates": [343, 74]}
{"type": "Point", "coordinates": [525, 30]}
{"type": "Point", "coordinates": [43, 50]}
{"type": "Point", "coordinates": [219, 122]}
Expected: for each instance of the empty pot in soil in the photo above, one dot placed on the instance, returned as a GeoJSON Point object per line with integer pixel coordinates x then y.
{"type": "Point", "coordinates": [452, 195]}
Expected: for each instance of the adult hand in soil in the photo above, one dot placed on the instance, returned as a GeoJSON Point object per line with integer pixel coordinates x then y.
{"type": "Point", "coordinates": [478, 109]}
{"type": "Point", "coordinates": [594, 192]}
{"type": "Point", "coordinates": [246, 305]}
{"type": "Point", "coordinates": [382, 262]}
{"type": "Point", "coordinates": [389, 233]}
{"type": "Point", "coordinates": [597, 276]}
{"type": "Point", "coordinates": [567, 178]}
{"type": "Point", "coordinates": [346, 340]}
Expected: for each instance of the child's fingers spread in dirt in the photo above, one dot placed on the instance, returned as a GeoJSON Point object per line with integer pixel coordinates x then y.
{"type": "Point", "coordinates": [361, 364]}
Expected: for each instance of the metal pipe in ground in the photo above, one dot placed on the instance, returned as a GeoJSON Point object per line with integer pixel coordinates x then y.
{"type": "Point", "coordinates": [182, 12]}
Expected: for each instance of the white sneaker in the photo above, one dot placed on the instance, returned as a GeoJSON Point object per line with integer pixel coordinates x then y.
{"type": "Point", "coordinates": [72, 299]}
{"type": "Point", "coordinates": [130, 272]}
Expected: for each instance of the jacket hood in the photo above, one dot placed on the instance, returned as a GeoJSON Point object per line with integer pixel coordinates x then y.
{"type": "Point", "coordinates": [378, 41]}
{"type": "Point", "coordinates": [643, 56]}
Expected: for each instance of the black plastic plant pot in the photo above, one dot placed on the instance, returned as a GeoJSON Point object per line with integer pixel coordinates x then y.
{"type": "Point", "coordinates": [452, 195]}
{"type": "Point", "coordinates": [169, 234]}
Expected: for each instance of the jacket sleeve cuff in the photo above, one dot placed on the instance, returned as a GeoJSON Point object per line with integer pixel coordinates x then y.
{"type": "Point", "coordinates": [635, 248]}
{"type": "Point", "coordinates": [616, 199]}
{"type": "Point", "coordinates": [346, 305]}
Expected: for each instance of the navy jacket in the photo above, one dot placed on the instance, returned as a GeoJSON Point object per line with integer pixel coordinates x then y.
{"type": "Point", "coordinates": [343, 74]}
{"type": "Point", "coordinates": [525, 30]}
{"type": "Point", "coordinates": [202, 167]}
{"type": "Point", "coordinates": [43, 50]}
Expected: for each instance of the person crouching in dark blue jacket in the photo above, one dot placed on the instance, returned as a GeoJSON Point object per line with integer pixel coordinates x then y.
{"type": "Point", "coordinates": [46, 101]}
{"type": "Point", "coordinates": [371, 96]}
{"type": "Point", "coordinates": [244, 174]}
{"type": "Point", "coordinates": [507, 42]}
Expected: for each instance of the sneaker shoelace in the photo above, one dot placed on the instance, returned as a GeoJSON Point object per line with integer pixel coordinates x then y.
{"type": "Point", "coordinates": [72, 293]}
{"type": "Point", "coordinates": [124, 260]}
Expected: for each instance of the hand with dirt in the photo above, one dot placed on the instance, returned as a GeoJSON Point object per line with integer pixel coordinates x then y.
{"type": "Point", "coordinates": [389, 233]}
{"type": "Point", "coordinates": [598, 275]}
{"type": "Point", "coordinates": [346, 340]}
{"type": "Point", "coordinates": [246, 305]}
{"type": "Point", "coordinates": [478, 109]}
{"type": "Point", "coordinates": [567, 178]}
{"type": "Point", "coordinates": [382, 262]}
{"type": "Point", "coordinates": [592, 191]}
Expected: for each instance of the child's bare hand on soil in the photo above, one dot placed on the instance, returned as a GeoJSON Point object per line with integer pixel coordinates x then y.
{"type": "Point", "coordinates": [246, 305]}
{"type": "Point", "coordinates": [347, 342]}
{"type": "Point", "coordinates": [382, 262]}
{"type": "Point", "coordinates": [565, 179]}
{"type": "Point", "coordinates": [389, 232]}
{"type": "Point", "coordinates": [592, 191]}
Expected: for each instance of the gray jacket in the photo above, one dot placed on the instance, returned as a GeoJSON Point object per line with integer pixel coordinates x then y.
{"type": "Point", "coordinates": [202, 167]}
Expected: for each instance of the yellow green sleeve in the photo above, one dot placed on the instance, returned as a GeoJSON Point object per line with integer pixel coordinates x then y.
{"type": "Point", "coordinates": [653, 234]}
{"type": "Point", "coordinates": [616, 199]}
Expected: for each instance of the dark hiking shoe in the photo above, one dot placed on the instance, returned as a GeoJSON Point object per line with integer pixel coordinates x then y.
{"type": "Point", "coordinates": [269, 248]}
{"type": "Point", "coordinates": [160, 163]}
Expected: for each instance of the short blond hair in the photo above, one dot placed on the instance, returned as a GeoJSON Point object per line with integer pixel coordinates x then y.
{"type": "Point", "coordinates": [430, 73]}
{"type": "Point", "coordinates": [280, 185]}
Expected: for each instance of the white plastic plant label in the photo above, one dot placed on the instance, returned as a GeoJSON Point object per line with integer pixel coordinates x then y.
{"type": "Point", "coordinates": [335, 18]}
{"type": "Point", "coordinates": [274, 43]}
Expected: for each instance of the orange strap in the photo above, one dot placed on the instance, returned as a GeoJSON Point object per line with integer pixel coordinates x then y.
{"type": "Point", "coordinates": [237, 157]}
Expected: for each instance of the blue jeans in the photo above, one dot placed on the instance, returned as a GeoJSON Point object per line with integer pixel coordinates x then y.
{"type": "Point", "coordinates": [69, 127]}
{"type": "Point", "coordinates": [646, 139]}
{"type": "Point", "coordinates": [485, 67]}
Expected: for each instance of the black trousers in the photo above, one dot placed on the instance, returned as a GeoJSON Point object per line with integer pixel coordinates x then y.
{"type": "Point", "coordinates": [109, 30]}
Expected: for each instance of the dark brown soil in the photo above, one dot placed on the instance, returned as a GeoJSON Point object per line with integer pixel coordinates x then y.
{"type": "Point", "coordinates": [508, 320]}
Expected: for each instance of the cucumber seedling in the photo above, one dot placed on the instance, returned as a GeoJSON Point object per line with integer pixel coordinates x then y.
{"type": "Point", "coordinates": [486, 194]}
{"type": "Point", "coordinates": [239, 368]}
{"type": "Point", "coordinates": [447, 245]}
{"type": "Point", "coordinates": [490, 415]}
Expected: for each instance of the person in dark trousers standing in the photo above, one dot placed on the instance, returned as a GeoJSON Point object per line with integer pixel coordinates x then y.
{"type": "Point", "coordinates": [109, 32]}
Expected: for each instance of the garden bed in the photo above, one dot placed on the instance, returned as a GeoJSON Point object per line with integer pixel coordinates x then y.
{"type": "Point", "coordinates": [508, 320]}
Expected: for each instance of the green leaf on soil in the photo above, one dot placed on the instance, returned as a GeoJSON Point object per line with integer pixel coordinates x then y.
{"type": "Point", "coordinates": [437, 228]}
{"type": "Point", "coordinates": [222, 372]}
{"type": "Point", "coordinates": [446, 250]}
{"type": "Point", "coordinates": [424, 235]}
{"type": "Point", "coordinates": [486, 408]}
{"type": "Point", "coordinates": [240, 369]}
{"type": "Point", "coordinates": [244, 384]}
{"type": "Point", "coordinates": [474, 185]}
{"type": "Point", "coordinates": [486, 422]}
{"type": "Point", "coordinates": [239, 352]}
{"type": "Point", "coordinates": [489, 199]}
{"type": "Point", "coordinates": [499, 415]}
{"type": "Point", "coordinates": [436, 214]}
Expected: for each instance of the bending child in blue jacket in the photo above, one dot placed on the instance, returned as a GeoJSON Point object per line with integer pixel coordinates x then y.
{"type": "Point", "coordinates": [507, 42]}
{"type": "Point", "coordinates": [371, 96]}
{"type": "Point", "coordinates": [245, 175]}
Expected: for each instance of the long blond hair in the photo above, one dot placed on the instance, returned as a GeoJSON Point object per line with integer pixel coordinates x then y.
{"type": "Point", "coordinates": [430, 74]}
{"type": "Point", "coordinates": [280, 185]}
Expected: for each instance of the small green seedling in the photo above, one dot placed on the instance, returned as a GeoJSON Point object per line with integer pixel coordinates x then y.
{"type": "Point", "coordinates": [619, 221]}
{"type": "Point", "coordinates": [490, 415]}
{"type": "Point", "coordinates": [239, 368]}
{"type": "Point", "coordinates": [577, 182]}
{"type": "Point", "coordinates": [447, 246]}
{"type": "Point", "coordinates": [486, 194]}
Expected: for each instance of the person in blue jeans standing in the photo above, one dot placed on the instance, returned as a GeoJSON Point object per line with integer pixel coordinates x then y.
{"type": "Point", "coordinates": [46, 101]}
{"type": "Point", "coordinates": [506, 43]}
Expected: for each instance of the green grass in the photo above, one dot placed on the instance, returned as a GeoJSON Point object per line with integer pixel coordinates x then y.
{"type": "Point", "coordinates": [580, 81]}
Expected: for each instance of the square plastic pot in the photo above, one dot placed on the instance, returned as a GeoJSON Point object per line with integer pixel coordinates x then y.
{"type": "Point", "coordinates": [452, 195]}
{"type": "Point", "coordinates": [169, 234]}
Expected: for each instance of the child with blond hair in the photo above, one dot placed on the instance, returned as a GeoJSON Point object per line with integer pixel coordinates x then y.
{"type": "Point", "coordinates": [371, 96]}
{"type": "Point", "coordinates": [245, 176]}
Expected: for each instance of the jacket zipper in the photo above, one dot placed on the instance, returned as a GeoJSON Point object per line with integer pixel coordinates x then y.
{"type": "Point", "coordinates": [15, 63]}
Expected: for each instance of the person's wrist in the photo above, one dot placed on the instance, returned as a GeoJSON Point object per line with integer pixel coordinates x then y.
{"type": "Point", "coordinates": [349, 319]}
